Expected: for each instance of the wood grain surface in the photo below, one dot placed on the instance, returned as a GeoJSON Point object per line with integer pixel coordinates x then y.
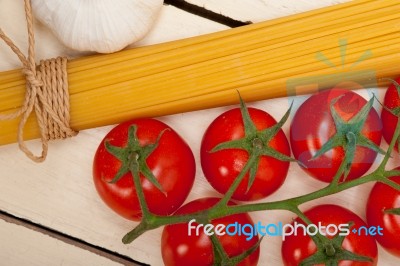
{"type": "Point", "coordinates": [59, 193]}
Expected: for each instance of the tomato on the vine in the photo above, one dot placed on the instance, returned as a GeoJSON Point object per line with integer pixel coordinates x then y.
{"type": "Point", "coordinates": [152, 149]}
{"type": "Point", "coordinates": [333, 221]}
{"type": "Point", "coordinates": [332, 126]}
{"type": "Point", "coordinates": [249, 135]}
{"type": "Point", "coordinates": [389, 120]}
{"type": "Point", "coordinates": [180, 248]}
{"type": "Point", "coordinates": [383, 209]}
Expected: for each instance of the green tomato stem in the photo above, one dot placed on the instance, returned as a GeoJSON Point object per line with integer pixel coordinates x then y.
{"type": "Point", "coordinates": [222, 209]}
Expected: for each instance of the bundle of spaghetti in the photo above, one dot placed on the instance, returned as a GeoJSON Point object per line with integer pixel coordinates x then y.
{"type": "Point", "coordinates": [202, 72]}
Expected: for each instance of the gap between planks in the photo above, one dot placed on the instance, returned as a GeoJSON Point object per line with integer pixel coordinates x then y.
{"type": "Point", "coordinates": [205, 13]}
{"type": "Point", "coordinates": [113, 256]}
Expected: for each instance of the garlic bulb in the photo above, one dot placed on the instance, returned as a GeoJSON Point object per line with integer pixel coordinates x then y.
{"type": "Point", "coordinates": [103, 26]}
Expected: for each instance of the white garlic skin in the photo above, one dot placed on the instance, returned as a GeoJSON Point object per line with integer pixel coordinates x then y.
{"type": "Point", "coordinates": [103, 26]}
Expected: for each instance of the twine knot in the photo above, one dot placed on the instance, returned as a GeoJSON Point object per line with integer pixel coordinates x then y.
{"type": "Point", "coordinates": [46, 92]}
{"type": "Point", "coordinates": [31, 78]}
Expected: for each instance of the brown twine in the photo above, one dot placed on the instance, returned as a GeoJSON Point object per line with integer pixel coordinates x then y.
{"type": "Point", "coordinates": [46, 92]}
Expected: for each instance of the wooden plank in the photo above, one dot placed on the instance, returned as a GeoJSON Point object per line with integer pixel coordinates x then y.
{"type": "Point", "coordinates": [20, 245]}
{"type": "Point", "coordinates": [260, 10]}
{"type": "Point", "coordinates": [172, 24]}
{"type": "Point", "coordinates": [59, 193]}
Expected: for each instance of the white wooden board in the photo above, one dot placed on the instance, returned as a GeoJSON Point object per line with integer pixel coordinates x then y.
{"type": "Point", "coordinates": [59, 192]}
{"type": "Point", "coordinates": [260, 10]}
{"type": "Point", "coordinates": [21, 246]}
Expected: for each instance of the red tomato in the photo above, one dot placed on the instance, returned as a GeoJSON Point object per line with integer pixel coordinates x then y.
{"type": "Point", "coordinates": [222, 167]}
{"type": "Point", "coordinates": [381, 199]}
{"type": "Point", "coordinates": [313, 125]}
{"type": "Point", "coordinates": [180, 248]}
{"type": "Point", "coordinates": [172, 163]}
{"type": "Point", "coordinates": [389, 121]}
{"type": "Point", "coordinates": [296, 248]}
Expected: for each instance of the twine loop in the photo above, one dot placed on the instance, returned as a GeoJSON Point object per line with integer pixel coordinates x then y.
{"type": "Point", "coordinates": [46, 93]}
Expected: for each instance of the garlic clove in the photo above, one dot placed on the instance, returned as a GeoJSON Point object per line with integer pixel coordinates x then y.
{"type": "Point", "coordinates": [103, 26]}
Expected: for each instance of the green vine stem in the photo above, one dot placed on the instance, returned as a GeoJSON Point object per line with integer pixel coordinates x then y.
{"type": "Point", "coordinates": [380, 174]}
